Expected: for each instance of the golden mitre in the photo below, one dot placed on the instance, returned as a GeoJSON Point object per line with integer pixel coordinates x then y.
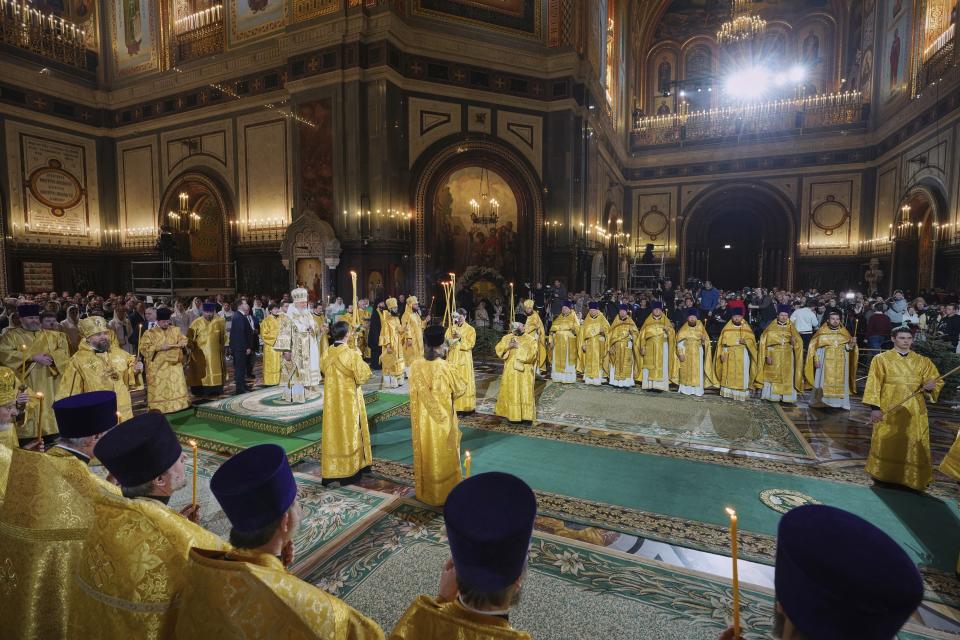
{"type": "Point", "coordinates": [92, 325]}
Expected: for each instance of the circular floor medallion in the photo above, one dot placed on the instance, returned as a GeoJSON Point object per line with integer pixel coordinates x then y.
{"type": "Point", "coordinates": [783, 500]}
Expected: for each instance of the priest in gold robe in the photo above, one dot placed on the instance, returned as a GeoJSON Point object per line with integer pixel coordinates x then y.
{"type": "Point", "coordinates": [245, 592]}
{"type": "Point", "coordinates": [564, 345]}
{"type": "Point", "coordinates": [515, 399]}
{"type": "Point", "coordinates": [39, 358]}
{"type": "Point", "coordinates": [413, 326]}
{"type": "Point", "coordinates": [364, 314]}
{"type": "Point", "coordinates": [131, 572]}
{"type": "Point", "coordinates": [461, 338]}
{"type": "Point", "coordinates": [346, 435]}
{"type": "Point", "coordinates": [533, 326]}
{"type": "Point", "coordinates": [657, 344]}
{"type": "Point", "coordinates": [780, 376]}
{"type": "Point", "coordinates": [391, 343]}
{"type": "Point", "coordinates": [435, 384]}
{"type": "Point", "coordinates": [45, 514]}
{"type": "Point", "coordinates": [12, 401]}
{"type": "Point", "coordinates": [489, 523]}
{"type": "Point", "coordinates": [624, 349]}
{"type": "Point", "coordinates": [831, 367]}
{"type": "Point", "coordinates": [206, 340]}
{"type": "Point", "coordinates": [693, 357]}
{"type": "Point", "coordinates": [163, 348]}
{"type": "Point", "coordinates": [98, 366]}
{"type": "Point", "coordinates": [301, 341]}
{"type": "Point", "coordinates": [736, 357]}
{"type": "Point", "coordinates": [269, 332]}
{"type": "Point", "coordinates": [900, 446]}
{"type": "Point", "coordinates": [592, 341]}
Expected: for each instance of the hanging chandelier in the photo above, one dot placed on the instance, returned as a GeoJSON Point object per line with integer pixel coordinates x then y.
{"type": "Point", "coordinates": [485, 211]}
{"type": "Point", "coordinates": [743, 25]}
{"type": "Point", "coordinates": [183, 219]}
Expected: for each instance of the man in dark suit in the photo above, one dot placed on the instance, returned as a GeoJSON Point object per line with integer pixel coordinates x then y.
{"type": "Point", "coordinates": [241, 346]}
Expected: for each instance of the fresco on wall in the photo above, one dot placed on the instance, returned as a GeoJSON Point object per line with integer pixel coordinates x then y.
{"type": "Point", "coordinates": [470, 244]}
{"type": "Point", "coordinates": [134, 26]}
{"type": "Point", "coordinates": [316, 158]}
{"type": "Point", "coordinates": [250, 19]}
{"type": "Point", "coordinates": [686, 18]}
{"type": "Point", "coordinates": [895, 65]}
{"type": "Point", "coordinates": [517, 16]}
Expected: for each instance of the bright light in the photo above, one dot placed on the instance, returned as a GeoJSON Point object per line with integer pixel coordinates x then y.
{"type": "Point", "coordinates": [726, 246]}
{"type": "Point", "coordinates": [779, 80]}
{"type": "Point", "coordinates": [748, 84]}
{"type": "Point", "coordinates": [798, 74]}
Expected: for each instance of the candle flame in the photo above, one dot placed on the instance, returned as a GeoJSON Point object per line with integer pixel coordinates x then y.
{"type": "Point", "coordinates": [23, 347]}
{"type": "Point", "coordinates": [731, 512]}
{"type": "Point", "coordinates": [468, 455]}
{"type": "Point", "coordinates": [353, 273]}
{"type": "Point", "coordinates": [39, 395]}
{"type": "Point", "coordinates": [193, 443]}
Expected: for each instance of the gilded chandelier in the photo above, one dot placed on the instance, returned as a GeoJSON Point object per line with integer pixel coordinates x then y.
{"type": "Point", "coordinates": [743, 24]}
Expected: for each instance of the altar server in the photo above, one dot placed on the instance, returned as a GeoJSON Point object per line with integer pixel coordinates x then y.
{"type": "Point", "coordinates": [129, 578]}
{"type": "Point", "coordinates": [489, 522]}
{"type": "Point", "coordinates": [657, 343]}
{"type": "Point", "coordinates": [563, 345]}
{"type": "Point", "coordinates": [736, 357]}
{"type": "Point", "coordinates": [519, 352]}
{"type": "Point", "coordinates": [412, 325]}
{"type": "Point", "coordinates": [693, 357]}
{"type": "Point", "coordinates": [624, 349]}
{"type": "Point", "coordinates": [780, 375]}
{"type": "Point", "coordinates": [435, 384]}
{"type": "Point", "coordinates": [245, 592]}
{"type": "Point", "coordinates": [592, 339]}
{"type": "Point", "coordinates": [163, 353]}
{"type": "Point", "coordinates": [831, 367]}
{"type": "Point", "coordinates": [346, 434]}
{"type": "Point", "coordinates": [461, 338]}
{"type": "Point", "coordinates": [391, 341]}
{"type": "Point", "coordinates": [269, 331]}
{"type": "Point", "coordinates": [900, 446]}
{"type": "Point", "coordinates": [206, 340]}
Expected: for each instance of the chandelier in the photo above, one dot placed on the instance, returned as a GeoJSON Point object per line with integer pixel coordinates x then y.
{"type": "Point", "coordinates": [183, 219]}
{"type": "Point", "coordinates": [742, 25]}
{"type": "Point", "coordinates": [485, 211]}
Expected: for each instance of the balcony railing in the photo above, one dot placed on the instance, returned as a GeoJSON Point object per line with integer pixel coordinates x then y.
{"type": "Point", "coordinates": [937, 64]}
{"type": "Point", "coordinates": [781, 117]}
{"type": "Point", "coordinates": [42, 34]}
{"type": "Point", "coordinates": [199, 34]}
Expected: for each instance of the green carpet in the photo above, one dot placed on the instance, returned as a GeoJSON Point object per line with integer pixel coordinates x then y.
{"type": "Point", "coordinates": [754, 425]}
{"type": "Point", "coordinates": [928, 528]}
{"type": "Point", "coordinates": [221, 437]}
{"type": "Point", "coordinates": [572, 590]}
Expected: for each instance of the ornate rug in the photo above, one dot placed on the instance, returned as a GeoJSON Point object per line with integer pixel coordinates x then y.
{"type": "Point", "coordinates": [573, 589]}
{"type": "Point", "coordinates": [669, 418]}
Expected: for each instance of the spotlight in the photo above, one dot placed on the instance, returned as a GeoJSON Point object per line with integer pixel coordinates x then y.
{"type": "Point", "coordinates": [683, 94]}
{"type": "Point", "coordinates": [798, 74]}
{"type": "Point", "coordinates": [726, 246]}
{"type": "Point", "coordinates": [780, 80]}
{"type": "Point", "coordinates": [748, 84]}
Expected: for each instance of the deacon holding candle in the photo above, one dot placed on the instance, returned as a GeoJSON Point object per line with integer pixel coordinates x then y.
{"type": "Point", "coordinates": [435, 384]}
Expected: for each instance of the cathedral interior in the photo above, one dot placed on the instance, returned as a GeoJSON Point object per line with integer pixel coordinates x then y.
{"type": "Point", "coordinates": [218, 148]}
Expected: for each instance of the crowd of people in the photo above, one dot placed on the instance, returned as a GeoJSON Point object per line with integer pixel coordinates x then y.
{"type": "Point", "coordinates": [68, 362]}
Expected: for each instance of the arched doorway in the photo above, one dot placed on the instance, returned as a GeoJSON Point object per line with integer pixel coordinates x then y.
{"type": "Point", "coordinates": [914, 266]}
{"type": "Point", "coordinates": [193, 220]}
{"type": "Point", "coordinates": [454, 234]}
{"type": "Point", "coordinates": [737, 236]}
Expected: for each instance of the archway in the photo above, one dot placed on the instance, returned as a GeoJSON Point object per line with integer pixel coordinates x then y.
{"type": "Point", "coordinates": [309, 251]}
{"type": "Point", "coordinates": [195, 211]}
{"type": "Point", "coordinates": [739, 235]}
{"type": "Point", "coordinates": [913, 261]}
{"type": "Point", "coordinates": [450, 238]}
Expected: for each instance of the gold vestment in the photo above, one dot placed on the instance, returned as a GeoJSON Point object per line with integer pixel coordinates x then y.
{"type": "Point", "coordinates": [391, 335]}
{"type": "Point", "coordinates": [515, 399]}
{"type": "Point", "coordinates": [303, 338]}
{"type": "Point", "coordinates": [623, 349]}
{"type": "Point", "coordinates": [412, 337]}
{"type": "Point", "coordinates": [39, 378]}
{"type": "Point", "coordinates": [696, 370]}
{"type": "Point", "coordinates": [782, 377]}
{"type": "Point", "coordinates": [564, 348]}
{"type": "Point", "coordinates": [89, 371]}
{"type": "Point", "coordinates": [534, 326]}
{"type": "Point", "coordinates": [738, 347]}
{"type": "Point", "coordinates": [592, 354]}
{"type": "Point", "coordinates": [269, 331]}
{"type": "Point", "coordinates": [346, 436]}
{"type": "Point", "coordinates": [206, 340]}
{"type": "Point", "coordinates": [166, 384]}
{"type": "Point", "coordinates": [460, 355]}
{"type": "Point", "coordinates": [428, 619]}
{"type": "Point", "coordinates": [838, 371]}
{"type": "Point", "coordinates": [657, 345]}
{"type": "Point", "coordinates": [434, 386]}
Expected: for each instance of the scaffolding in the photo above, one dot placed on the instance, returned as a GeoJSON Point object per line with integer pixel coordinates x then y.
{"type": "Point", "coordinates": [183, 279]}
{"type": "Point", "coordinates": [647, 276]}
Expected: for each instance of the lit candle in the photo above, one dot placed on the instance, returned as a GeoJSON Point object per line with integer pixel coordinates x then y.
{"type": "Point", "coordinates": [193, 443]}
{"type": "Point", "coordinates": [23, 365]}
{"type": "Point", "coordinates": [466, 465]}
{"type": "Point", "coordinates": [40, 415]}
{"type": "Point", "coordinates": [736, 579]}
{"type": "Point", "coordinates": [119, 417]}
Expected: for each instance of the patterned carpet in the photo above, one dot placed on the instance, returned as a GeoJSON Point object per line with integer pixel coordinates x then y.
{"type": "Point", "coordinates": [671, 418]}
{"type": "Point", "coordinates": [573, 590]}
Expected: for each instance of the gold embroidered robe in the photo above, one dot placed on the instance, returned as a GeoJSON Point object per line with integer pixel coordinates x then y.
{"type": "Point", "coordinates": [782, 377]}
{"type": "Point", "coordinates": [564, 348]}
{"type": "Point", "coordinates": [836, 379]}
{"type": "Point", "coordinates": [534, 326]}
{"type": "Point", "coordinates": [364, 331]}
{"type": "Point", "coordinates": [111, 370]}
{"type": "Point", "coordinates": [412, 337]}
{"type": "Point", "coordinates": [131, 570]}
{"type": "Point", "coordinates": [623, 349]}
{"type": "Point", "coordinates": [592, 351]}
{"type": "Point", "coordinates": [515, 398]}
{"type": "Point", "coordinates": [206, 340]}
{"type": "Point", "coordinates": [38, 377]}
{"type": "Point", "coordinates": [269, 332]}
{"type": "Point", "coordinates": [736, 375]}
{"type": "Point", "coordinates": [460, 355]}
{"type": "Point", "coordinates": [6, 453]}
{"type": "Point", "coordinates": [900, 445]}
{"type": "Point", "coordinates": [45, 516]}
{"type": "Point", "coordinates": [657, 344]}
{"type": "Point", "coordinates": [346, 435]}
{"type": "Point", "coordinates": [950, 464]}
{"type": "Point", "coordinates": [391, 335]}
{"type": "Point", "coordinates": [302, 337]}
{"type": "Point", "coordinates": [434, 386]}
{"type": "Point", "coordinates": [428, 619]}
{"type": "Point", "coordinates": [220, 589]}
{"type": "Point", "coordinates": [695, 373]}
{"type": "Point", "coordinates": [166, 384]}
